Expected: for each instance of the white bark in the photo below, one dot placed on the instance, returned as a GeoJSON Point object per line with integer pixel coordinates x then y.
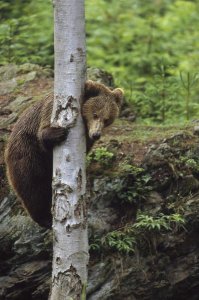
{"type": "Point", "coordinates": [70, 246]}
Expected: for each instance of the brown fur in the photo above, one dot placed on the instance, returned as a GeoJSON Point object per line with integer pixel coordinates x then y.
{"type": "Point", "coordinates": [29, 150]}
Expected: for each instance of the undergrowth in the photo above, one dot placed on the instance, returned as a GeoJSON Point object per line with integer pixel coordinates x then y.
{"type": "Point", "coordinates": [127, 240]}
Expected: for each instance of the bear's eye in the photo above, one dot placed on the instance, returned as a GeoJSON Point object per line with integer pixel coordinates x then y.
{"type": "Point", "coordinates": [107, 122]}
{"type": "Point", "coordinates": [95, 116]}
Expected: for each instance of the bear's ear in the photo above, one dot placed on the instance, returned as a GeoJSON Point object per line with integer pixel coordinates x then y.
{"type": "Point", "coordinates": [93, 89]}
{"type": "Point", "coordinates": [119, 96]}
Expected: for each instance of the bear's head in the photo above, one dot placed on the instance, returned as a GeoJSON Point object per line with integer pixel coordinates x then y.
{"type": "Point", "coordinates": [101, 107]}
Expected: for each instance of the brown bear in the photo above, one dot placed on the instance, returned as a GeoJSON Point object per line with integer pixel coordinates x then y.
{"type": "Point", "coordinates": [30, 147]}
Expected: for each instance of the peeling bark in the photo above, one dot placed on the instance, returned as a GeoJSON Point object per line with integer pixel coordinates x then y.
{"type": "Point", "coordinates": [70, 245]}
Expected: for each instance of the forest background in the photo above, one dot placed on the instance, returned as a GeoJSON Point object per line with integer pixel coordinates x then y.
{"type": "Point", "coordinates": [150, 47]}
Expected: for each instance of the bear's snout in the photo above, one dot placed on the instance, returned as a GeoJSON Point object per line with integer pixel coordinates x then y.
{"type": "Point", "coordinates": [95, 129]}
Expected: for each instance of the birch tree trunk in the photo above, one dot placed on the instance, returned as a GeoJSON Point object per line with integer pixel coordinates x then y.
{"type": "Point", "coordinates": [70, 246]}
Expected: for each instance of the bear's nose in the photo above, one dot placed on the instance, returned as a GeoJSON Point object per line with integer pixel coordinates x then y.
{"type": "Point", "coordinates": [96, 136]}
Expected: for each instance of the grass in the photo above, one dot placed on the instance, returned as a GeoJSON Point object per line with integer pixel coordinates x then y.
{"type": "Point", "coordinates": [123, 130]}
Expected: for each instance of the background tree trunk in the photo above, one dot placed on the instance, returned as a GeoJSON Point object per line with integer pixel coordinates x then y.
{"type": "Point", "coordinates": [70, 252]}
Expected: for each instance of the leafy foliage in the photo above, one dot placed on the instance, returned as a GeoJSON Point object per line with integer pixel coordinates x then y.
{"type": "Point", "coordinates": [158, 223]}
{"type": "Point", "coordinates": [101, 155]}
{"type": "Point", "coordinates": [188, 82]}
{"type": "Point", "coordinates": [128, 238]}
{"type": "Point", "coordinates": [119, 241]}
{"type": "Point", "coordinates": [134, 186]}
{"type": "Point", "coordinates": [26, 32]}
{"type": "Point", "coordinates": [146, 47]}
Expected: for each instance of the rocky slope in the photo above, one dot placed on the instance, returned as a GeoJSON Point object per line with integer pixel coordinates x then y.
{"type": "Point", "coordinates": [143, 217]}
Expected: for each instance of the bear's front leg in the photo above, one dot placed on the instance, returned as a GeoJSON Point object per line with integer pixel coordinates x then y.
{"type": "Point", "coordinates": [51, 136]}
